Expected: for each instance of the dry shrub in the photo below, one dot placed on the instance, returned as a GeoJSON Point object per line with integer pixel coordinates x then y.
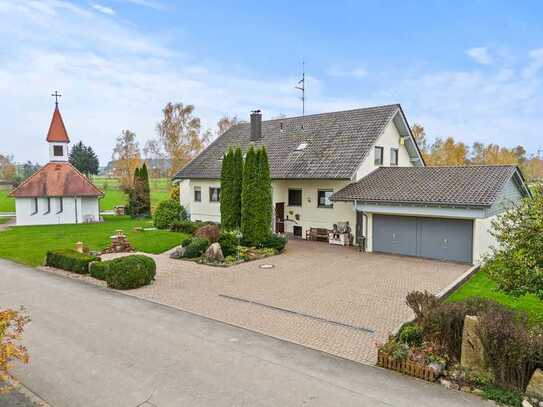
{"type": "Point", "coordinates": [210, 232]}
{"type": "Point", "coordinates": [420, 302]}
{"type": "Point", "coordinates": [513, 349]}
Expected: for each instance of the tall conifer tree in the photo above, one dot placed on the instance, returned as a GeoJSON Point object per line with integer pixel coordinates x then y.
{"type": "Point", "coordinates": [237, 185]}
{"type": "Point", "coordinates": [264, 197]}
{"type": "Point", "coordinates": [227, 202]}
{"type": "Point", "coordinates": [248, 197]}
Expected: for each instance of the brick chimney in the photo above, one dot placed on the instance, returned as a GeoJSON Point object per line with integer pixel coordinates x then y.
{"type": "Point", "coordinates": [256, 125]}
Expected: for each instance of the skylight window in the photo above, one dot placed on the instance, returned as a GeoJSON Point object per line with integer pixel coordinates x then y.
{"type": "Point", "coordinates": [301, 147]}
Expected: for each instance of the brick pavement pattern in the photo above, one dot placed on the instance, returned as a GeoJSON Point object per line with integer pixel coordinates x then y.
{"type": "Point", "coordinates": [330, 283]}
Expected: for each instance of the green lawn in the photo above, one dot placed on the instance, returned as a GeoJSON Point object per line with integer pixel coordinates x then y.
{"type": "Point", "coordinates": [480, 285]}
{"type": "Point", "coordinates": [4, 220]}
{"type": "Point", "coordinates": [160, 191]}
{"type": "Point", "coordinates": [7, 204]}
{"type": "Point", "coordinates": [28, 244]}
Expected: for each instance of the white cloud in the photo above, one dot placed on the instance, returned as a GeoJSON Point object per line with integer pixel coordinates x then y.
{"type": "Point", "coordinates": [103, 9]}
{"type": "Point", "coordinates": [481, 55]}
{"type": "Point", "coordinates": [535, 64]}
{"type": "Point", "coordinates": [147, 3]}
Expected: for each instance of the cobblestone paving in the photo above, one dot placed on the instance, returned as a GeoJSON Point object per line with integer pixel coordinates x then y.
{"type": "Point", "coordinates": [341, 288]}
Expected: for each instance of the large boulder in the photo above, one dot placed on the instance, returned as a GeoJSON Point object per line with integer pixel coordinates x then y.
{"type": "Point", "coordinates": [214, 254]}
{"type": "Point", "coordinates": [473, 354]}
{"type": "Point", "coordinates": [535, 385]}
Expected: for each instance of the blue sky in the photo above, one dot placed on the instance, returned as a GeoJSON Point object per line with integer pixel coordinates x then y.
{"type": "Point", "coordinates": [468, 69]}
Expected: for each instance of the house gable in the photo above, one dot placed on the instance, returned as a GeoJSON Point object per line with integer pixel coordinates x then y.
{"type": "Point", "coordinates": [396, 135]}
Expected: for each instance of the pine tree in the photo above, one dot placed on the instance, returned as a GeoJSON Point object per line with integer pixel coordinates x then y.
{"type": "Point", "coordinates": [237, 185]}
{"type": "Point", "coordinates": [264, 197]}
{"type": "Point", "coordinates": [227, 210]}
{"type": "Point", "coordinates": [248, 198]}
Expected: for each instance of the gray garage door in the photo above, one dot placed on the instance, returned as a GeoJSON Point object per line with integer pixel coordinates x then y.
{"type": "Point", "coordinates": [435, 238]}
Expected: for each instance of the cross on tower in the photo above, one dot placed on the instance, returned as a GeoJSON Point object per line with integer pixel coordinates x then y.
{"type": "Point", "coordinates": [56, 95]}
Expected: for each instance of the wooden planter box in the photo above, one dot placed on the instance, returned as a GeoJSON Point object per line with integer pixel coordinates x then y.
{"type": "Point", "coordinates": [406, 367]}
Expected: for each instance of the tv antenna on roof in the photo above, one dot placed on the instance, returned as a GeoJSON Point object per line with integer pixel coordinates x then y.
{"type": "Point", "coordinates": [301, 86]}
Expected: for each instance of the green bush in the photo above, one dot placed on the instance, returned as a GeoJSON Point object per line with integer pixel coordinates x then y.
{"type": "Point", "coordinates": [275, 242]}
{"type": "Point", "coordinates": [502, 396]}
{"type": "Point", "coordinates": [196, 247]}
{"type": "Point", "coordinates": [130, 272]}
{"type": "Point", "coordinates": [70, 260]}
{"type": "Point", "coordinates": [411, 335]}
{"type": "Point", "coordinates": [184, 226]}
{"type": "Point", "coordinates": [229, 243]}
{"type": "Point", "coordinates": [99, 269]}
{"type": "Point", "coordinates": [167, 213]}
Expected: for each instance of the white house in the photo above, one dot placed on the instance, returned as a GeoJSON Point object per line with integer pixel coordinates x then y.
{"type": "Point", "coordinates": [57, 193]}
{"type": "Point", "coordinates": [362, 166]}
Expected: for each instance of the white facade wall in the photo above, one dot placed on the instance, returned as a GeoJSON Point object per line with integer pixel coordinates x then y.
{"type": "Point", "coordinates": [483, 241]}
{"type": "Point", "coordinates": [63, 157]}
{"type": "Point", "coordinates": [389, 139]}
{"type": "Point", "coordinates": [74, 210]}
{"type": "Point", "coordinates": [204, 210]}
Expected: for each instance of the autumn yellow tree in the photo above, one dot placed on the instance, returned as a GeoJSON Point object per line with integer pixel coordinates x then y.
{"type": "Point", "coordinates": [532, 168]}
{"type": "Point", "coordinates": [490, 154]}
{"type": "Point", "coordinates": [420, 137]}
{"type": "Point", "coordinates": [225, 123]}
{"type": "Point", "coordinates": [12, 323]}
{"type": "Point", "coordinates": [126, 158]}
{"type": "Point", "coordinates": [180, 135]}
{"type": "Point", "coordinates": [447, 152]}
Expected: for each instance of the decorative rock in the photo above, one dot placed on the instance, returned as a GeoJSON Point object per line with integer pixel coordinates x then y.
{"type": "Point", "coordinates": [214, 253]}
{"type": "Point", "coordinates": [541, 403]}
{"type": "Point", "coordinates": [472, 352]}
{"type": "Point", "coordinates": [535, 385]}
{"type": "Point", "coordinates": [465, 389]}
{"type": "Point", "coordinates": [526, 403]}
{"type": "Point", "coordinates": [478, 392]}
{"type": "Point", "coordinates": [437, 368]}
{"type": "Point", "coordinates": [79, 247]}
{"type": "Point", "coordinates": [178, 252]}
{"type": "Point", "coordinates": [445, 382]}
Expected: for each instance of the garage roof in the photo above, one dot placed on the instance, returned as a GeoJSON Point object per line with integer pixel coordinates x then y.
{"type": "Point", "coordinates": [449, 186]}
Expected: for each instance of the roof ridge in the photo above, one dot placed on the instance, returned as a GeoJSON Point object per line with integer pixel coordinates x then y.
{"type": "Point", "coordinates": [326, 113]}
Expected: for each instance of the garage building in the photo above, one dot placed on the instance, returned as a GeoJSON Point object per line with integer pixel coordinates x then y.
{"type": "Point", "coordinates": [440, 213]}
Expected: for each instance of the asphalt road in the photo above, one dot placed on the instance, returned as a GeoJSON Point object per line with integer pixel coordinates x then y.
{"type": "Point", "coordinates": [95, 347]}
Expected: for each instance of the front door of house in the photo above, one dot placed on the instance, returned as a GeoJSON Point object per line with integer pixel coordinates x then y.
{"type": "Point", "coordinates": [279, 217]}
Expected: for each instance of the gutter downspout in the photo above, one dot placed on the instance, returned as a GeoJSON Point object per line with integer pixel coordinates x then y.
{"type": "Point", "coordinates": [75, 200]}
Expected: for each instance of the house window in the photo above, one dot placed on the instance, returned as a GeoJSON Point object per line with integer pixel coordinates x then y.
{"type": "Point", "coordinates": [214, 194]}
{"type": "Point", "coordinates": [47, 206]}
{"type": "Point", "coordinates": [34, 206]}
{"type": "Point", "coordinates": [393, 156]}
{"type": "Point", "coordinates": [197, 194]}
{"type": "Point", "coordinates": [294, 197]}
{"type": "Point", "coordinates": [60, 206]}
{"type": "Point", "coordinates": [378, 156]}
{"type": "Point", "coordinates": [324, 200]}
{"type": "Point", "coordinates": [58, 151]}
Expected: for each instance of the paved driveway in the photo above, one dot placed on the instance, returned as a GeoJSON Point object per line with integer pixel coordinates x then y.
{"type": "Point", "coordinates": [91, 347]}
{"type": "Point", "coordinates": [328, 298]}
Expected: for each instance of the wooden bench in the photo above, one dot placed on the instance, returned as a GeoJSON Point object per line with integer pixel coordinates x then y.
{"type": "Point", "coordinates": [317, 234]}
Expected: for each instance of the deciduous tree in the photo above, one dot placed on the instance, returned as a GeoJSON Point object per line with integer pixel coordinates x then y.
{"type": "Point", "coordinates": [126, 158]}
{"type": "Point", "coordinates": [180, 134]}
{"type": "Point", "coordinates": [447, 152]}
{"type": "Point", "coordinates": [225, 123]}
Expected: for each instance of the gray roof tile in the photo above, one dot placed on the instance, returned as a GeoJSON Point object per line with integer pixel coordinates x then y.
{"type": "Point", "coordinates": [453, 186]}
{"type": "Point", "coordinates": [336, 144]}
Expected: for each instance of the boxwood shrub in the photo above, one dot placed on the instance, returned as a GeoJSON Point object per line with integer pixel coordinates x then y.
{"type": "Point", "coordinates": [99, 269]}
{"type": "Point", "coordinates": [70, 260]}
{"type": "Point", "coordinates": [275, 242]}
{"type": "Point", "coordinates": [168, 212]}
{"type": "Point", "coordinates": [130, 272]}
{"type": "Point", "coordinates": [196, 247]}
{"type": "Point", "coordinates": [229, 243]}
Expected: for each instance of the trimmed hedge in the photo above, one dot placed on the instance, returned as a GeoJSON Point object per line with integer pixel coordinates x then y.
{"type": "Point", "coordinates": [70, 260]}
{"type": "Point", "coordinates": [196, 247]}
{"type": "Point", "coordinates": [130, 272]}
{"type": "Point", "coordinates": [99, 269]}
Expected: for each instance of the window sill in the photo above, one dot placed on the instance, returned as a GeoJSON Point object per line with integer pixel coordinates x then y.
{"type": "Point", "coordinates": [325, 207]}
